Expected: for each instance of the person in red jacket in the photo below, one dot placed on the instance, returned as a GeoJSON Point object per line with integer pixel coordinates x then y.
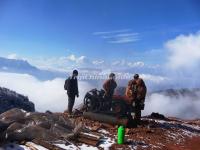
{"type": "Point", "coordinates": [109, 86]}
{"type": "Point", "coordinates": [137, 91]}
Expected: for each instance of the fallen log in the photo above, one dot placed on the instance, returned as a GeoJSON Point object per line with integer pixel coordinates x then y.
{"type": "Point", "coordinates": [105, 118]}
{"type": "Point", "coordinates": [88, 141]}
{"type": "Point", "coordinates": [46, 144]}
{"type": "Point", "coordinates": [89, 136]}
{"type": "Point", "coordinates": [96, 134]}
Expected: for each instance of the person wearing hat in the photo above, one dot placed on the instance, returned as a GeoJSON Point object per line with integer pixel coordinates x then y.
{"type": "Point", "coordinates": [71, 86]}
{"type": "Point", "coordinates": [109, 86]}
{"type": "Point", "coordinates": [136, 90]}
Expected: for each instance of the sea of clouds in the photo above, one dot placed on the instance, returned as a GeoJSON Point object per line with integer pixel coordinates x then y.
{"type": "Point", "coordinates": [181, 106]}
{"type": "Point", "coordinates": [50, 95]}
{"type": "Point", "coordinates": [46, 95]}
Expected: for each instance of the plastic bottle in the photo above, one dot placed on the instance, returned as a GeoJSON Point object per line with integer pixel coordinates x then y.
{"type": "Point", "coordinates": [120, 135]}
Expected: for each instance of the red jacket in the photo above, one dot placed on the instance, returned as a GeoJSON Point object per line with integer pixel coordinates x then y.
{"type": "Point", "coordinates": [138, 89]}
{"type": "Point", "coordinates": [109, 87]}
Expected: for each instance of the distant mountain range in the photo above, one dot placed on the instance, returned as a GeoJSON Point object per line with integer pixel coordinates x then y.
{"type": "Point", "coordinates": [22, 66]}
{"type": "Point", "coordinates": [193, 93]}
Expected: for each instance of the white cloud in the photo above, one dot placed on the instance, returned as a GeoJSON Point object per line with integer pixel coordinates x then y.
{"type": "Point", "coordinates": [46, 95]}
{"type": "Point", "coordinates": [119, 36]}
{"type": "Point", "coordinates": [116, 62]}
{"type": "Point", "coordinates": [184, 51]}
{"type": "Point", "coordinates": [73, 58]}
{"type": "Point", "coordinates": [13, 56]}
{"type": "Point", "coordinates": [81, 59]}
{"type": "Point", "coordinates": [98, 62]}
{"type": "Point", "coordinates": [122, 40]}
{"type": "Point", "coordinates": [127, 64]}
{"type": "Point", "coordinates": [181, 106]}
{"type": "Point", "coordinates": [63, 63]}
{"type": "Point", "coordinates": [155, 78]}
{"type": "Point", "coordinates": [119, 63]}
{"type": "Point", "coordinates": [71, 61]}
{"type": "Point", "coordinates": [135, 64]}
{"type": "Point", "coordinates": [111, 32]}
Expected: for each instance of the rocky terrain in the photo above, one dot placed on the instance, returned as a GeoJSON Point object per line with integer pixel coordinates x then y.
{"type": "Point", "coordinates": [154, 133]}
{"type": "Point", "coordinates": [10, 99]}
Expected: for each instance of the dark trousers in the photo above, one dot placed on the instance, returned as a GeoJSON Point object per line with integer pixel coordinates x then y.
{"type": "Point", "coordinates": [137, 110]}
{"type": "Point", "coordinates": [71, 100]}
{"type": "Point", "coordinates": [108, 101]}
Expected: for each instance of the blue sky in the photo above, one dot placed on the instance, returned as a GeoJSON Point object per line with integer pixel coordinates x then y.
{"type": "Point", "coordinates": [109, 30]}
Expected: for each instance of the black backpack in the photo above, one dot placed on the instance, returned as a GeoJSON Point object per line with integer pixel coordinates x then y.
{"type": "Point", "coordinates": [66, 85]}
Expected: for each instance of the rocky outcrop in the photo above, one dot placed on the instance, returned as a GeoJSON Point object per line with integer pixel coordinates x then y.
{"type": "Point", "coordinates": [10, 99]}
{"type": "Point", "coordinates": [46, 129]}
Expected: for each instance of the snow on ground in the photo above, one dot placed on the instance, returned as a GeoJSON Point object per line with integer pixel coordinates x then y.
{"type": "Point", "coordinates": [73, 147]}
{"type": "Point", "coordinates": [106, 143]}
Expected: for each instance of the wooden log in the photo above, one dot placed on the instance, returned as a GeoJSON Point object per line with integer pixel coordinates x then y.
{"type": "Point", "coordinates": [88, 141]}
{"type": "Point", "coordinates": [88, 136]}
{"type": "Point", "coordinates": [46, 144]}
{"type": "Point", "coordinates": [96, 134]}
{"type": "Point", "coordinates": [106, 118]}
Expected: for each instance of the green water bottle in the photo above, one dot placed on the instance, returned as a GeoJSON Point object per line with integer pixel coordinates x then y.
{"type": "Point", "coordinates": [120, 135]}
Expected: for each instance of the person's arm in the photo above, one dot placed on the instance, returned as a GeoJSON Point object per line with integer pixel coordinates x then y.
{"type": "Point", "coordinates": [77, 92]}
{"type": "Point", "coordinates": [69, 85]}
{"type": "Point", "coordinates": [145, 88]}
{"type": "Point", "coordinates": [115, 84]}
{"type": "Point", "coordinates": [128, 90]}
{"type": "Point", "coordinates": [105, 85]}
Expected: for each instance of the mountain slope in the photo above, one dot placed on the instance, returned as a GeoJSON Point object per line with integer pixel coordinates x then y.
{"type": "Point", "coordinates": [22, 66]}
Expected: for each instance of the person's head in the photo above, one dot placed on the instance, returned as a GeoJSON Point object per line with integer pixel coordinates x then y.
{"type": "Point", "coordinates": [75, 73]}
{"type": "Point", "coordinates": [112, 76]}
{"type": "Point", "coordinates": [136, 76]}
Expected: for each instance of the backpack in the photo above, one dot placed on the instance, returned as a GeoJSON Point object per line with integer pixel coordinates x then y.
{"type": "Point", "coordinates": [66, 85]}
